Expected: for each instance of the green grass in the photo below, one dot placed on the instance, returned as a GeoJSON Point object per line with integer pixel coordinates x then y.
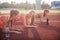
{"type": "Point", "coordinates": [37, 11]}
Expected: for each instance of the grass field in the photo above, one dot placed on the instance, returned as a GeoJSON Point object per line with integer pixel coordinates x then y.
{"type": "Point", "coordinates": [37, 11]}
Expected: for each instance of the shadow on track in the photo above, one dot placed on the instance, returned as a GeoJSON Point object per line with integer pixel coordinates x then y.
{"type": "Point", "coordinates": [34, 31]}
{"type": "Point", "coordinates": [49, 27]}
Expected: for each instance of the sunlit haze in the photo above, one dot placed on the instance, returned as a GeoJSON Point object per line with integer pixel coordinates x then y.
{"type": "Point", "coordinates": [30, 1]}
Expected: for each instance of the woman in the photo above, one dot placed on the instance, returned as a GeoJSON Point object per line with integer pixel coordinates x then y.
{"type": "Point", "coordinates": [30, 18]}
{"type": "Point", "coordinates": [3, 23]}
{"type": "Point", "coordinates": [1, 29]}
{"type": "Point", "coordinates": [13, 14]}
{"type": "Point", "coordinates": [45, 16]}
{"type": "Point", "coordinates": [38, 18]}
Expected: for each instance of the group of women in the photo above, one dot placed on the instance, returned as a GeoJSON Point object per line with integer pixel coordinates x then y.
{"type": "Point", "coordinates": [28, 19]}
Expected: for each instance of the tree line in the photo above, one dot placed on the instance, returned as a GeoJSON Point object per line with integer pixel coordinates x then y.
{"type": "Point", "coordinates": [25, 5]}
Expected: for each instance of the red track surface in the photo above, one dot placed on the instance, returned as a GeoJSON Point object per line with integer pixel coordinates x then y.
{"type": "Point", "coordinates": [42, 32]}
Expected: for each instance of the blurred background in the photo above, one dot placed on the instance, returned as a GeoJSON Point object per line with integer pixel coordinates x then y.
{"type": "Point", "coordinates": [7, 5]}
